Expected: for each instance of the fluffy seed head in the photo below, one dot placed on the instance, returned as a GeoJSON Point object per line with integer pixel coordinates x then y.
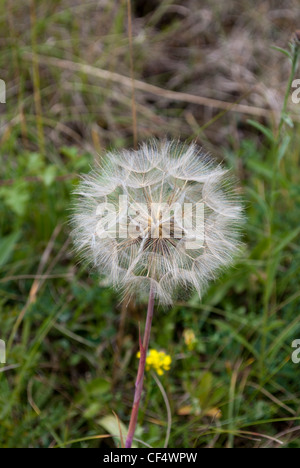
{"type": "Point", "coordinates": [164, 217]}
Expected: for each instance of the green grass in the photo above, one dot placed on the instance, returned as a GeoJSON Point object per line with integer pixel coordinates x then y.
{"type": "Point", "coordinates": [68, 365]}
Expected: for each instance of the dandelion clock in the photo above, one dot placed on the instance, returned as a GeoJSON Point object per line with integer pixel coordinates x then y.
{"type": "Point", "coordinates": [156, 221]}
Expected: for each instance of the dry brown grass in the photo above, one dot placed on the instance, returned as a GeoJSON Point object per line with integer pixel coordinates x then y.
{"type": "Point", "coordinates": [215, 52]}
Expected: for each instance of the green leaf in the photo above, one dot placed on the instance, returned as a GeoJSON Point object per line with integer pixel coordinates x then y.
{"type": "Point", "coordinates": [272, 269]}
{"type": "Point", "coordinates": [111, 425]}
{"type": "Point", "coordinates": [7, 245]}
{"type": "Point", "coordinates": [92, 410]}
{"type": "Point", "coordinates": [16, 197]}
{"type": "Point", "coordinates": [287, 119]}
{"type": "Point", "coordinates": [266, 131]}
{"type": "Point", "coordinates": [34, 163]}
{"type": "Point", "coordinates": [49, 175]}
{"type": "Point", "coordinates": [204, 388]}
{"type": "Point", "coordinates": [260, 168]}
{"type": "Point", "coordinates": [283, 147]}
{"type": "Point", "coordinates": [97, 386]}
{"type": "Point", "coordinates": [287, 239]}
{"type": "Point", "coordinates": [283, 51]}
{"type": "Point", "coordinates": [256, 197]}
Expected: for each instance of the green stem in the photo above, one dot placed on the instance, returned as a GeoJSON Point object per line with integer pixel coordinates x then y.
{"type": "Point", "coordinates": [274, 185]}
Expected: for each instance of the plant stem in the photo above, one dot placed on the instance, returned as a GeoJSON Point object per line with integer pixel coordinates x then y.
{"type": "Point", "coordinates": [295, 57]}
{"type": "Point", "coordinates": [36, 81]}
{"type": "Point", "coordinates": [141, 371]}
{"type": "Point", "coordinates": [271, 263]}
{"type": "Point", "coordinates": [133, 103]}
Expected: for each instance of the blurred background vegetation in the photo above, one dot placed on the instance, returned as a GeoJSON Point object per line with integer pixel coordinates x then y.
{"type": "Point", "coordinates": [71, 352]}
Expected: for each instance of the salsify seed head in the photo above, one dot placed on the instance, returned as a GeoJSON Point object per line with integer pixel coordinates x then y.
{"type": "Point", "coordinates": [162, 218]}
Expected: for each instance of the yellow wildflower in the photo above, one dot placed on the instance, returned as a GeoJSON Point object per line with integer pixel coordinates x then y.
{"type": "Point", "coordinates": [159, 361]}
{"type": "Point", "coordinates": [189, 338]}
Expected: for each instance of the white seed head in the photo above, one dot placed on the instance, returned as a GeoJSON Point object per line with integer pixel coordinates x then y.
{"type": "Point", "coordinates": [164, 217]}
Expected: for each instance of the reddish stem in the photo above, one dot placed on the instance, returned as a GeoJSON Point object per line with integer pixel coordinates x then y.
{"type": "Point", "coordinates": [141, 370]}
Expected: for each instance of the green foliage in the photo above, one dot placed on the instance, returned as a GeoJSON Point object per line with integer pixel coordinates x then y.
{"type": "Point", "coordinates": [68, 366]}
